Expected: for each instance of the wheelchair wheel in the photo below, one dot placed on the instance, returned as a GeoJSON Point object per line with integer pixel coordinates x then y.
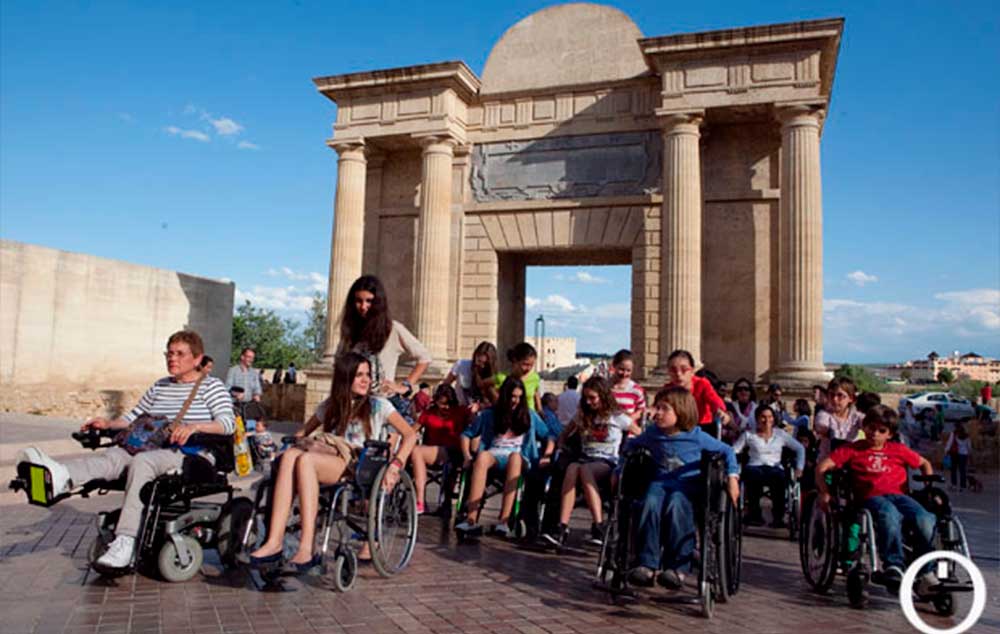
{"type": "Point", "coordinates": [392, 524]}
{"type": "Point", "coordinates": [236, 515]}
{"type": "Point", "coordinates": [733, 537]}
{"type": "Point", "coordinates": [944, 604]}
{"type": "Point", "coordinates": [819, 543]}
{"type": "Point", "coordinates": [794, 511]}
{"type": "Point", "coordinates": [345, 569]}
{"type": "Point", "coordinates": [169, 561]}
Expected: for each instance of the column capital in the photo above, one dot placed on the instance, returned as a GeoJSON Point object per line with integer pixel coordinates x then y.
{"type": "Point", "coordinates": [437, 143]}
{"type": "Point", "coordinates": [350, 149]}
{"type": "Point", "coordinates": [680, 122]}
{"type": "Point", "coordinates": [800, 114]}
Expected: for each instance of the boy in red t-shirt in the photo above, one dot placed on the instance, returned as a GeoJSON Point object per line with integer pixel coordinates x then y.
{"type": "Point", "coordinates": [878, 470]}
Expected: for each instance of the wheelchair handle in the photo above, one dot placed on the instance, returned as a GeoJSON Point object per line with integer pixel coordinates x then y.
{"type": "Point", "coordinates": [91, 438]}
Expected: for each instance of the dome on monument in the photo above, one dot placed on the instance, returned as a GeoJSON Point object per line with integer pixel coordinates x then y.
{"type": "Point", "coordinates": [567, 44]}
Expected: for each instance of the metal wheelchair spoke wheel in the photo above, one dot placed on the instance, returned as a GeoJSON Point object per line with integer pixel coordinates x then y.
{"type": "Point", "coordinates": [392, 524]}
{"type": "Point", "coordinates": [345, 569]}
{"type": "Point", "coordinates": [819, 544]}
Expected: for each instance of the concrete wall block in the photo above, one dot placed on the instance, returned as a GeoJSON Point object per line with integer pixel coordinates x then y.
{"type": "Point", "coordinates": [472, 279]}
{"type": "Point", "coordinates": [486, 292]}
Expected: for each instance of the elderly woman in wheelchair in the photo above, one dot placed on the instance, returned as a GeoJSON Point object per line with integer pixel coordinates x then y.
{"type": "Point", "coordinates": [174, 445]}
{"type": "Point", "coordinates": [868, 516]}
{"type": "Point", "coordinates": [329, 448]}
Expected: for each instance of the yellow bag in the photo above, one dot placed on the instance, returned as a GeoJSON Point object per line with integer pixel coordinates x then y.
{"type": "Point", "coordinates": [241, 449]}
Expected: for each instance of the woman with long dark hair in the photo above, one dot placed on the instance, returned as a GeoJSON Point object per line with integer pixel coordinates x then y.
{"type": "Point", "coordinates": [508, 435]}
{"type": "Point", "coordinates": [474, 379]}
{"type": "Point", "coordinates": [367, 327]}
{"type": "Point", "coordinates": [328, 448]}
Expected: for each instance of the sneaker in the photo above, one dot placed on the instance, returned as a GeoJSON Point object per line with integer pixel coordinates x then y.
{"type": "Point", "coordinates": [671, 579]}
{"type": "Point", "coordinates": [596, 534]}
{"type": "Point", "coordinates": [892, 577]}
{"type": "Point", "coordinates": [420, 508]}
{"type": "Point", "coordinates": [926, 584]}
{"type": "Point", "coordinates": [557, 538]}
{"type": "Point", "coordinates": [501, 530]}
{"type": "Point", "coordinates": [60, 474]}
{"type": "Point", "coordinates": [642, 576]}
{"type": "Point", "coordinates": [468, 528]}
{"type": "Point", "coordinates": [119, 554]}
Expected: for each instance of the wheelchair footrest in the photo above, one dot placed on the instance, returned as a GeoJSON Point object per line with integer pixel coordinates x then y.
{"type": "Point", "coordinates": [36, 481]}
{"type": "Point", "coordinates": [946, 587]}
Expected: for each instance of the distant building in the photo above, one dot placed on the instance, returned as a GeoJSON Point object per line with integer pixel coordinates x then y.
{"type": "Point", "coordinates": [553, 352]}
{"type": "Point", "coordinates": [970, 365]}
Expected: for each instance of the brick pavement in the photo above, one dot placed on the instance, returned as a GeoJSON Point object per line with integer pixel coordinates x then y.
{"type": "Point", "coordinates": [490, 587]}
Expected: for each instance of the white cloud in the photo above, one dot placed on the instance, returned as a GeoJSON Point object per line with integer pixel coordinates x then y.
{"type": "Point", "coordinates": [861, 278]}
{"type": "Point", "coordinates": [582, 277]}
{"type": "Point", "coordinates": [126, 117]}
{"type": "Point", "coordinates": [247, 145]}
{"type": "Point", "coordinates": [318, 282]}
{"type": "Point", "coordinates": [195, 135]}
{"type": "Point", "coordinates": [552, 303]}
{"type": "Point", "coordinates": [285, 298]}
{"type": "Point", "coordinates": [224, 126]}
{"type": "Point", "coordinates": [967, 318]}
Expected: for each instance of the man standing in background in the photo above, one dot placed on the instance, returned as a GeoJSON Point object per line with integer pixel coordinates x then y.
{"type": "Point", "coordinates": [243, 375]}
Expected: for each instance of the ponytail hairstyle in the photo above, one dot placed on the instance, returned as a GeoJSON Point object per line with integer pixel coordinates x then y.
{"type": "Point", "coordinates": [344, 406]}
{"type": "Point", "coordinates": [521, 351]}
{"type": "Point", "coordinates": [516, 419]}
{"type": "Point", "coordinates": [587, 417]}
{"type": "Point", "coordinates": [374, 328]}
{"type": "Point", "coordinates": [484, 378]}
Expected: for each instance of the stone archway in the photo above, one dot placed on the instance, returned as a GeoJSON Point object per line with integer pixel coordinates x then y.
{"type": "Point", "coordinates": [694, 157]}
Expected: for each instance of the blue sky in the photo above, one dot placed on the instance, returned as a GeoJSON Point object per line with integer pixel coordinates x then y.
{"type": "Point", "coordinates": [189, 136]}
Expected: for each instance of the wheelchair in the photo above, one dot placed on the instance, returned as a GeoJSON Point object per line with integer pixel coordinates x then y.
{"type": "Point", "coordinates": [841, 540]}
{"type": "Point", "coordinates": [176, 528]}
{"type": "Point", "coordinates": [792, 493]}
{"type": "Point", "coordinates": [495, 482]}
{"type": "Point", "coordinates": [719, 535]}
{"type": "Point", "coordinates": [355, 509]}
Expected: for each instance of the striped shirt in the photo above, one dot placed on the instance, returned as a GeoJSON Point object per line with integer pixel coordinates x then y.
{"type": "Point", "coordinates": [166, 398]}
{"type": "Point", "coordinates": [631, 399]}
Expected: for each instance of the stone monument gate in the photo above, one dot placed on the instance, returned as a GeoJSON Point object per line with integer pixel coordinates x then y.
{"type": "Point", "coordinates": [692, 157]}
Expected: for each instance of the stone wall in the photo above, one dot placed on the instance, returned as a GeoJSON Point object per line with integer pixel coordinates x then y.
{"type": "Point", "coordinates": [69, 319]}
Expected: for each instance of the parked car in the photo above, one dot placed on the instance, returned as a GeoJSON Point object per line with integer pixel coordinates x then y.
{"type": "Point", "coordinates": [955, 407]}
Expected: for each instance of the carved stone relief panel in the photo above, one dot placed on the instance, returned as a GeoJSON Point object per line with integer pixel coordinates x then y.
{"type": "Point", "coordinates": [567, 167]}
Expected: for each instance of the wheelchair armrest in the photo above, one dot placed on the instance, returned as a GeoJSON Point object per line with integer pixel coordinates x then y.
{"type": "Point", "coordinates": [928, 479]}
{"type": "Point", "coordinates": [96, 438]}
{"type": "Point", "coordinates": [219, 445]}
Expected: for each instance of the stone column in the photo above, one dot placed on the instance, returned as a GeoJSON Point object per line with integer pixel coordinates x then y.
{"type": "Point", "coordinates": [347, 243]}
{"type": "Point", "coordinates": [680, 281]}
{"type": "Point", "coordinates": [434, 247]}
{"type": "Point", "coordinates": [800, 330]}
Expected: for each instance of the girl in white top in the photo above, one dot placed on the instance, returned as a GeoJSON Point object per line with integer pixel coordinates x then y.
{"type": "Point", "coordinates": [329, 444]}
{"type": "Point", "coordinates": [959, 446]}
{"type": "Point", "coordinates": [601, 425]}
{"type": "Point", "coordinates": [474, 379]}
{"type": "Point", "coordinates": [744, 407]}
{"type": "Point", "coordinates": [840, 420]}
{"type": "Point", "coordinates": [367, 328]}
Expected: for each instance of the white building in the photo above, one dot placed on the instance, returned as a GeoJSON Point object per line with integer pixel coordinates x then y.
{"type": "Point", "coordinates": [553, 352]}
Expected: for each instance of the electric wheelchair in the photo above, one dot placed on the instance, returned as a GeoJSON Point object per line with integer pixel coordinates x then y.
{"type": "Point", "coordinates": [719, 538]}
{"type": "Point", "coordinates": [356, 509]}
{"type": "Point", "coordinates": [176, 526]}
{"type": "Point", "coordinates": [792, 492]}
{"type": "Point", "coordinates": [841, 540]}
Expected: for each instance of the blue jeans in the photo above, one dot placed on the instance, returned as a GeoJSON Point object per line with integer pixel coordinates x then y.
{"type": "Point", "coordinates": [667, 520]}
{"type": "Point", "coordinates": [755, 479]}
{"type": "Point", "coordinates": [893, 514]}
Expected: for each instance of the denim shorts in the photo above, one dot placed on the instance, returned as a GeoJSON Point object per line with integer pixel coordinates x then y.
{"type": "Point", "coordinates": [502, 455]}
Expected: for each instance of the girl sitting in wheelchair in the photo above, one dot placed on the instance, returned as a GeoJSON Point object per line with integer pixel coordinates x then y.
{"type": "Point", "coordinates": [443, 424]}
{"type": "Point", "coordinates": [601, 425]}
{"type": "Point", "coordinates": [764, 467]}
{"type": "Point", "coordinates": [508, 435]}
{"type": "Point", "coordinates": [676, 444]}
{"type": "Point", "coordinates": [327, 449]}
{"type": "Point", "coordinates": [878, 470]}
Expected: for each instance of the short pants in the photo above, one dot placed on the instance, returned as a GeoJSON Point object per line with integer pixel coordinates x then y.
{"type": "Point", "coordinates": [502, 455]}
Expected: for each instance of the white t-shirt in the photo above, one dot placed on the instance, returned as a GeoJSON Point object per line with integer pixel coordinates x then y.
{"type": "Point", "coordinates": [569, 401]}
{"type": "Point", "coordinates": [355, 432]}
{"type": "Point", "coordinates": [605, 437]}
{"type": "Point", "coordinates": [463, 370]}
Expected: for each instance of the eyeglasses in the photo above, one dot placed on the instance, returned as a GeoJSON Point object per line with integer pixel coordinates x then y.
{"type": "Point", "coordinates": [174, 354]}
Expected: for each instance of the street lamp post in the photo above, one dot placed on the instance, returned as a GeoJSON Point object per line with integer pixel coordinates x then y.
{"type": "Point", "coordinates": [540, 340]}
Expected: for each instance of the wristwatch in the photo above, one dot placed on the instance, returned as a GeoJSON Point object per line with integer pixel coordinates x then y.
{"type": "Point", "coordinates": [409, 388]}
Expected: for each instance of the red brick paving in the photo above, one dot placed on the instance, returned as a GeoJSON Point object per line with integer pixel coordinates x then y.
{"type": "Point", "coordinates": [490, 587]}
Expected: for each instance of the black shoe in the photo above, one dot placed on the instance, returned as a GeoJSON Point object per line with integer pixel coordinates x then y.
{"type": "Point", "coordinates": [642, 576]}
{"type": "Point", "coordinates": [260, 562]}
{"type": "Point", "coordinates": [596, 534]}
{"type": "Point", "coordinates": [295, 568]}
{"type": "Point", "coordinates": [558, 538]}
{"type": "Point", "coordinates": [671, 579]}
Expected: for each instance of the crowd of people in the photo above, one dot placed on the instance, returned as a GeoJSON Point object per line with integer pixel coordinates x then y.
{"type": "Point", "coordinates": [493, 418]}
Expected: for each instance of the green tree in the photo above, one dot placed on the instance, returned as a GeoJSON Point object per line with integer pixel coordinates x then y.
{"type": "Point", "coordinates": [906, 375]}
{"type": "Point", "coordinates": [945, 376]}
{"type": "Point", "coordinates": [865, 379]}
{"type": "Point", "coordinates": [315, 329]}
{"type": "Point", "coordinates": [277, 341]}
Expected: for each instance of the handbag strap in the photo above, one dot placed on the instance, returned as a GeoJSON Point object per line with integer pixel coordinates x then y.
{"type": "Point", "coordinates": [187, 403]}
